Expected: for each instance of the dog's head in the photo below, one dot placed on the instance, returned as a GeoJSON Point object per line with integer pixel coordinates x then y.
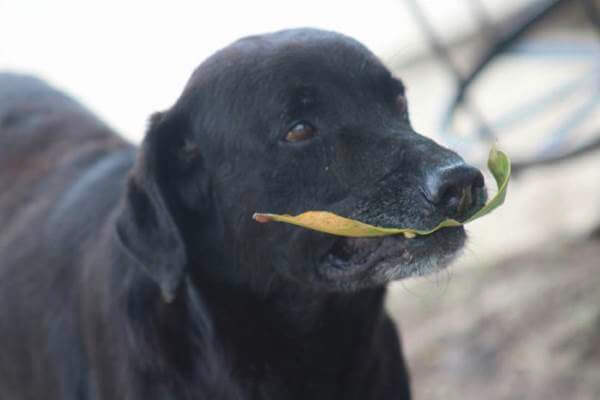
{"type": "Point", "coordinates": [288, 122]}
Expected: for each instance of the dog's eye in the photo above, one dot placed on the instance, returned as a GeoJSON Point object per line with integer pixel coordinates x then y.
{"type": "Point", "coordinates": [299, 132]}
{"type": "Point", "coordinates": [401, 103]}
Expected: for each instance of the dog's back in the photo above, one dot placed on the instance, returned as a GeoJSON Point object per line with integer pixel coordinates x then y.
{"type": "Point", "coordinates": [42, 132]}
{"type": "Point", "coordinates": [58, 165]}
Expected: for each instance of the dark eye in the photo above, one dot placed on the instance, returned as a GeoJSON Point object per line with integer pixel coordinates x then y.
{"type": "Point", "coordinates": [401, 103]}
{"type": "Point", "coordinates": [299, 132]}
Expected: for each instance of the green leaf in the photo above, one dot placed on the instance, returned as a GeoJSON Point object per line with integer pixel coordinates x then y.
{"type": "Point", "coordinates": [324, 221]}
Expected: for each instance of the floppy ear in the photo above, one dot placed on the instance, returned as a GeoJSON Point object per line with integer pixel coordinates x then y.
{"type": "Point", "coordinates": [146, 227]}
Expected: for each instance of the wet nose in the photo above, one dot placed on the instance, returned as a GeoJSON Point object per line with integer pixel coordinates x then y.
{"type": "Point", "coordinates": [457, 190]}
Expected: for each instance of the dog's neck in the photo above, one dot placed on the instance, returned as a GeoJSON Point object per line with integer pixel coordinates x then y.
{"type": "Point", "coordinates": [290, 309]}
{"type": "Point", "coordinates": [277, 342]}
{"type": "Point", "coordinates": [289, 331]}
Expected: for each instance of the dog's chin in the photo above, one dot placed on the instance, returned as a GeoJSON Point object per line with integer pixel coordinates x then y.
{"type": "Point", "coordinates": [359, 263]}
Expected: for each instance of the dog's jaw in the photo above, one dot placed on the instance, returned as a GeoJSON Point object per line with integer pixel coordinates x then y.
{"type": "Point", "coordinates": [358, 263]}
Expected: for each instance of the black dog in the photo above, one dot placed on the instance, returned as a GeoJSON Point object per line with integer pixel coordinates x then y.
{"type": "Point", "coordinates": [139, 273]}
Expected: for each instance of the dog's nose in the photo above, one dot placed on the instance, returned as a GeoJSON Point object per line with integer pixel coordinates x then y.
{"type": "Point", "coordinates": [458, 190]}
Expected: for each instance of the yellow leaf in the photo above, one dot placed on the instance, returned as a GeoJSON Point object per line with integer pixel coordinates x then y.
{"type": "Point", "coordinates": [325, 221]}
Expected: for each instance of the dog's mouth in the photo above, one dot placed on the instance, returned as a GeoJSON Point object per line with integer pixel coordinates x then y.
{"type": "Point", "coordinates": [382, 259]}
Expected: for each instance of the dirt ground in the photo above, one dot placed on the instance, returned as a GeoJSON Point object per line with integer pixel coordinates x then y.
{"type": "Point", "coordinates": [527, 327]}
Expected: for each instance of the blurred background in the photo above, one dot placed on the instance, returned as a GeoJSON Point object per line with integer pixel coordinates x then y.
{"type": "Point", "coordinates": [518, 316]}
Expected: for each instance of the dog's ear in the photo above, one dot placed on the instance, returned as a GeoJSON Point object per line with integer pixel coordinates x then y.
{"type": "Point", "coordinates": [146, 227]}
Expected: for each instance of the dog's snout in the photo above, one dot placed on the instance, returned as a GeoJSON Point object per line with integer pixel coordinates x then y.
{"type": "Point", "coordinates": [457, 190]}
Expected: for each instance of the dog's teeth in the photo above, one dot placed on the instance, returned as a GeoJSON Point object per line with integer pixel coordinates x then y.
{"type": "Point", "coordinates": [409, 235]}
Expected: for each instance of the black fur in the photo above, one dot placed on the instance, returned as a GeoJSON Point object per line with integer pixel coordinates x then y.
{"type": "Point", "coordinates": [132, 273]}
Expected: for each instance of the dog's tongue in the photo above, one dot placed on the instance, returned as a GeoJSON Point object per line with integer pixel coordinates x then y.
{"type": "Point", "coordinates": [324, 221]}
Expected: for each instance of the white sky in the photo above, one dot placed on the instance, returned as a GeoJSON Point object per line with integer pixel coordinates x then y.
{"type": "Point", "coordinates": [127, 59]}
